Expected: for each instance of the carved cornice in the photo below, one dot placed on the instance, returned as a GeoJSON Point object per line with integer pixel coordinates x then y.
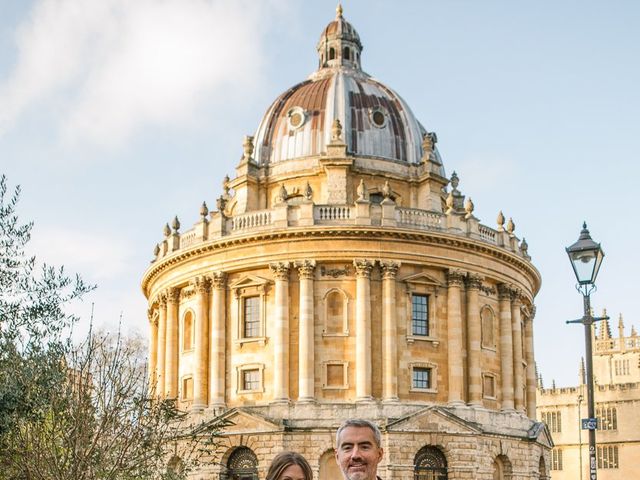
{"type": "Point", "coordinates": [334, 272]}
{"type": "Point", "coordinates": [389, 269]}
{"type": "Point", "coordinates": [280, 270]}
{"type": "Point", "coordinates": [306, 269]}
{"type": "Point", "coordinates": [219, 280]}
{"type": "Point", "coordinates": [360, 233]}
{"type": "Point", "coordinates": [363, 268]}
{"type": "Point", "coordinates": [455, 277]}
{"type": "Point", "coordinates": [474, 281]}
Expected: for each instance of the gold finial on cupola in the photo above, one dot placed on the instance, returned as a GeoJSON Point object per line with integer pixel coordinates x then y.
{"type": "Point", "coordinates": [339, 10]}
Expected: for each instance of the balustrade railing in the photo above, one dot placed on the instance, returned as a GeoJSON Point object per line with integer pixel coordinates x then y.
{"type": "Point", "coordinates": [413, 217]}
{"type": "Point", "coordinates": [247, 221]}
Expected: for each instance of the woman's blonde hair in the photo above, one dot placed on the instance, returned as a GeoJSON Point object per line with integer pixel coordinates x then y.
{"type": "Point", "coordinates": [284, 460]}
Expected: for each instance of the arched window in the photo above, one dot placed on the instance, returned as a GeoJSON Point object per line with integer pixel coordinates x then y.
{"type": "Point", "coordinates": [329, 469]}
{"type": "Point", "coordinates": [542, 470]}
{"type": "Point", "coordinates": [187, 331]}
{"type": "Point", "coordinates": [332, 53]}
{"type": "Point", "coordinates": [345, 53]}
{"type": "Point", "coordinates": [501, 468]}
{"type": "Point", "coordinates": [487, 320]}
{"type": "Point", "coordinates": [336, 307]}
{"type": "Point", "coordinates": [242, 465]}
{"type": "Point", "coordinates": [430, 464]}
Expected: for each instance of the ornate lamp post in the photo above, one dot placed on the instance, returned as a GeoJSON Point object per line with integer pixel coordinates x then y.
{"type": "Point", "coordinates": [586, 257]}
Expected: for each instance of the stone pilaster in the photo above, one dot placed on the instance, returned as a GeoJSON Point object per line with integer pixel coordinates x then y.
{"type": "Point", "coordinates": [217, 372]}
{"type": "Point", "coordinates": [455, 281]}
{"type": "Point", "coordinates": [162, 344]}
{"type": "Point", "coordinates": [171, 348]}
{"type": "Point", "coordinates": [506, 346]}
{"type": "Point", "coordinates": [474, 332]}
{"type": "Point", "coordinates": [363, 330]}
{"type": "Point", "coordinates": [281, 332]}
{"type": "Point", "coordinates": [153, 350]}
{"type": "Point", "coordinates": [389, 332]}
{"type": "Point", "coordinates": [201, 370]}
{"type": "Point", "coordinates": [306, 354]}
{"type": "Point", "coordinates": [531, 364]}
{"type": "Point", "coordinates": [518, 372]}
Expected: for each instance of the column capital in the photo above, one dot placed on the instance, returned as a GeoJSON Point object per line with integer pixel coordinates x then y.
{"type": "Point", "coordinates": [474, 281]}
{"type": "Point", "coordinates": [153, 319]}
{"type": "Point", "coordinates": [280, 270]}
{"type": "Point", "coordinates": [173, 295]}
{"type": "Point", "coordinates": [201, 285]}
{"type": "Point", "coordinates": [455, 277]}
{"type": "Point", "coordinates": [363, 268]}
{"type": "Point", "coordinates": [389, 269]}
{"type": "Point", "coordinates": [516, 296]}
{"type": "Point", "coordinates": [306, 268]}
{"type": "Point", "coordinates": [218, 280]}
{"type": "Point", "coordinates": [162, 299]}
{"type": "Point", "coordinates": [504, 291]}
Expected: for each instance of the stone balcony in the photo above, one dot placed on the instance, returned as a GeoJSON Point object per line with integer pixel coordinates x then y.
{"type": "Point", "coordinates": [305, 214]}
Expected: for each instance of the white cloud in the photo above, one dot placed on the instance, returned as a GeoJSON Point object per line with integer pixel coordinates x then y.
{"type": "Point", "coordinates": [114, 66]}
{"type": "Point", "coordinates": [97, 257]}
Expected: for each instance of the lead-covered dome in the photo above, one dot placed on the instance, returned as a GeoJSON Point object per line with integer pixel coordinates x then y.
{"type": "Point", "coordinates": [376, 121]}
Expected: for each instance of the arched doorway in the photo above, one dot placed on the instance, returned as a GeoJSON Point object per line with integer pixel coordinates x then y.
{"type": "Point", "coordinates": [329, 469]}
{"type": "Point", "coordinates": [502, 468]}
{"type": "Point", "coordinates": [242, 465]}
{"type": "Point", "coordinates": [430, 464]}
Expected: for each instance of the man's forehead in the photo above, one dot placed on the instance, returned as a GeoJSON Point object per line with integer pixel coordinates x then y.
{"type": "Point", "coordinates": [357, 434]}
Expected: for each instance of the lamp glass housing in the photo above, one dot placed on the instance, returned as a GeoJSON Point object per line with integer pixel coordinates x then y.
{"type": "Point", "coordinates": [586, 257]}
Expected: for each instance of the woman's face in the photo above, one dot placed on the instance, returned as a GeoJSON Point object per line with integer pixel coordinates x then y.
{"type": "Point", "coordinates": [292, 472]}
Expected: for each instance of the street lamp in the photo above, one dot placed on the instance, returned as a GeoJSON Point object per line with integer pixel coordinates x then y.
{"type": "Point", "coordinates": [586, 257]}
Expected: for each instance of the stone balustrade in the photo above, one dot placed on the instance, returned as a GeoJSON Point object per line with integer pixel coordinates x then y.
{"type": "Point", "coordinates": [389, 216]}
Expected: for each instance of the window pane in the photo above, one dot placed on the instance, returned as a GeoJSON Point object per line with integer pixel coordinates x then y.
{"type": "Point", "coordinates": [335, 375]}
{"type": "Point", "coordinates": [251, 317]}
{"type": "Point", "coordinates": [419, 315]}
{"type": "Point", "coordinates": [251, 379]}
{"type": "Point", "coordinates": [421, 377]}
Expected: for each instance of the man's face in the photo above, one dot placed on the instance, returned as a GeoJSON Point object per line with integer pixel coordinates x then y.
{"type": "Point", "coordinates": [357, 454]}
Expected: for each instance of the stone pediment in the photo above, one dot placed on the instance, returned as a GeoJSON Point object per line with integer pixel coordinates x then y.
{"type": "Point", "coordinates": [433, 419]}
{"type": "Point", "coordinates": [540, 433]}
{"type": "Point", "coordinates": [238, 421]}
{"type": "Point", "coordinates": [423, 279]}
{"type": "Point", "coordinates": [249, 281]}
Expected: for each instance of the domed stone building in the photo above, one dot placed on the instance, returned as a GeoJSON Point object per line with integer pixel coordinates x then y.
{"type": "Point", "coordinates": [344, 275]}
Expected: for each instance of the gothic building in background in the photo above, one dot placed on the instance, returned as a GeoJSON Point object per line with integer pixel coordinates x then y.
{"type": "Point", "coordinates": [616, 371]}
{"type": "Point", "coordinates": [343, 274]}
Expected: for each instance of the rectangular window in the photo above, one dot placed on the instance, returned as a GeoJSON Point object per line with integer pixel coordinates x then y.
{"type": "Point", "coordinates": [187, 388]}
{"type": "Point", "coordinates": [489, 386]}
{"type": "Point", "coordinates": [608, 457]}
{"type": "Point", "coordinates": [607, 418]}
{"type": "Point", "coordinates": [553, 421]}
{"type": "Point", "coordinates": [420, 315]}
{"type": "Point", "coordinates": [251, 379]}
{"type": "Point", "coordinates": [335, 375]}
{"type": "Point", "coordinates": [421, 378]}
{"type": "Point", "coordinates": [556, 459]}
{"type": "Point", "coordinates": [251, 317]}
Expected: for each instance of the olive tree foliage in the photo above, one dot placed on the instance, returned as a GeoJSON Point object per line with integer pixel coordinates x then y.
{"type": "Point", "coordinates": [32, 320]}
{"type": "Point", "coordinates": [104, 423]}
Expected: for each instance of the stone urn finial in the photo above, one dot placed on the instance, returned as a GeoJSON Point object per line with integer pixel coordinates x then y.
{"type": "Point", "coordinates": [524, 247]}
{"type": "Point", "coordinates": [500, 221]}
{"type": "Point", "coordinates": [336, 131]}
{"type": "Point", "coordinates": [511, 226]}
{"type": "Point", "coordinates": [166, 230]}
{"type": "Point", "coordinates": [282, 194]}
{"type": "Point", "coordinates": [247, 147]}
{"type": "Point", "coordinates": [469, 207]}
{"type": "Point", "coordinates": [308, 192]}
{"type": "Point", "coordinates": [175, 224]}
{"type": "Point", "coordinates": [156, 250]}
{"type": "Point", "coordinates": [429, 141]}
{"type": "Point", "coordinates": [455, 181]}
{"type": "Point", "coordinates": [204, 210]}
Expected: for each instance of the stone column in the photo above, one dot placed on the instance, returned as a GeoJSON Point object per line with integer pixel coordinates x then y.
{"type": "Point", "coordinates": [474, 332]}
{"type": "Point", "coordinates": [455, 280]}
{"type": "Point", "coordinates": [171, 349]}
{"type": "Point", "coordinates": [506, 346]}
{"type": "Point", "coordinates": [201, 370]}
{"type": "Point", "coordinates": [153, 351]}
{"type": "Point", "coordinates": [389, 332]}
{"type": "Point", "coordinates": [162, 344]}
{"type": "Point", "coordinates": [518, 372]}
{"type": "Point", "coordinates": [281, 332]}
{"type": "Point", "coordinates": [531, 364]}
{"type": "Point", "coordinates": [217, 357]}
{"type": "Point", "coordinates": [306, 335]}
{"type": "Point", "coordinates": [363, 330]}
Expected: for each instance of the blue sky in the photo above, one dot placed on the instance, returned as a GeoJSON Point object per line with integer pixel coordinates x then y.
{"type": "Point", "coordinates": [115, 116]}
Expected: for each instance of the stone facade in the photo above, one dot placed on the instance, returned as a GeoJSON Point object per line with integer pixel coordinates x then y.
{"type": "Point", "coordinates": [335, 280]}
{"type": "Point", "coordinates": [616, 367]}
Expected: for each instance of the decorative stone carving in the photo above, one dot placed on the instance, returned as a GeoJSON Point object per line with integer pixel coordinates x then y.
{"type": "Point", "coordinates": [201, 285]}
{"type": "Point", "coordinates": [175, 224]}
{"type": "Point", "coordinates": [336, 131]}
{"type": "Point", "coordinates": [306, 268]}
{"type": "Point", "coordinates": [500, 221]}
{"type": "Point", "coordinates": [386, 190]}
{"type": "Point", "coordinates": [429, 141]}
{"type": "Point", "coordinates": [361, 191]}
{"type": "Point", "coordinates": [504, 291]}
{"type": "Point", "coordinates": [474, 281]}
{"type": "Point", "coordinates": [280, 270]}
{"type": "Point", "coordinates": [516, 295]}
{"type": "Point", "coordinates": [363, 268]}
{"type": "Point", "coordinates": [389, 269]}
{"type": "Point", "coordinates": [282, 195]}
{"type": "Point", "coordinates": [156, 250]}
{"type": "Point", "coordinates": [524, 248]}
{"type": "Point", "coordinates": [455, 277]}
{"type": "Point", "coordinates": [221, 204]}
{"type": "Point", "coordinates": [162, 300]}
{"type": "Point", "coordinates": [225, 186]}
{"type": "Point", "coordinates": [204, 211]}
{"type": "Point", "coordinates": [468, 208]}
{"type": "Point", "coordinates": [511, 226]}
{"type": "Point", "coordinates": [173, 295]}
{"type": "Point", "coordinates": [334, 272]}
{"type": "Point", "coordinates": [455, 199]}
{"type": "Point", "coordinates": [308, 192]}
{"type": "Point", "coordinates": [166, 230]}
{"type": "Point", "coordinates": [247, 147]}
{"type": "Point", "coordinates": [219, 280]}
